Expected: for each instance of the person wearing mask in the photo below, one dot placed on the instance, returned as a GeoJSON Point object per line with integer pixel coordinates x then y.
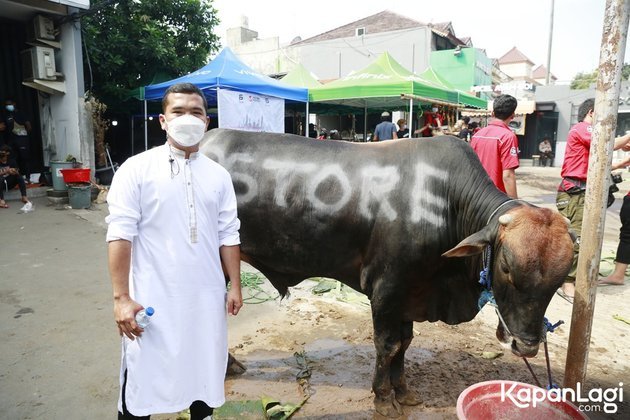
{"type": "Point", "coordinates": [10, 176]}
{"type": "Point", "coordinates": [572, 188]}
{"type": "Point", "coordinates": [433, 120]}
{"type": "Point", "coordinates": [172, 224]}
{"type": "Point", "coordinates": [386, 129]}
{"type": "Point", "coordinates": [497, 146]}
{"type": "Point", "coordinates": [403, 130]}
{"type": "Point", "coordinates": [17, 129]}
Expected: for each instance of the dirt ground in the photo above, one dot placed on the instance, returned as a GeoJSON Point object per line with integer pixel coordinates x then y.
{"type": "Point", "coordinates": [59, 350]}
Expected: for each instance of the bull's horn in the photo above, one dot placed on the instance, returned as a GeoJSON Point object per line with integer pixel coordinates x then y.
{"type": "Point", "coordinates": [567, 221]}
{"type": "Point", "coordinates": [505, 219]}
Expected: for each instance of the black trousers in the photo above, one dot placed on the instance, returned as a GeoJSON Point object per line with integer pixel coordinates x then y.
{"type": "Point", "coordinates": [11, 181]}
{"type": "Point", "coordinates": [22, 152]}
{"type": "Point", "coordinates": [199, 410]}
{"type": "Point", "coordinates": [623, 249]}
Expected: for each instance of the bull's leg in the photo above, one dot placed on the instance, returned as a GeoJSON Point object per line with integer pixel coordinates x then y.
{"type": "Point", "coordinates": [388, 344]}
{"type": "Point", "coordinates": [403, 394]}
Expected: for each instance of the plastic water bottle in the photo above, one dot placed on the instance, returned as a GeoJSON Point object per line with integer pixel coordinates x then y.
{"type": "Point", "coordinates": [143, 317]}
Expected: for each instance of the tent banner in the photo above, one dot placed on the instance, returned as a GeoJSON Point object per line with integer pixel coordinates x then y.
{"type": "Point", "coordinates": [250, 112]}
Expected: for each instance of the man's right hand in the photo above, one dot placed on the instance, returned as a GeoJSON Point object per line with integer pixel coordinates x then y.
{"type": "Point", "coordinates": [125, 310]}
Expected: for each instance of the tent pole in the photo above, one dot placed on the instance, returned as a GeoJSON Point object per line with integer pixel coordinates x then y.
{"type": "Point", "coordinates": [146, 131]}
{"type": "Point", "coordinates": [365, 122]}
{"type": "Point", "coordinates": [306, 120]}
{"type": "Point", "coordinates": [410, 118]}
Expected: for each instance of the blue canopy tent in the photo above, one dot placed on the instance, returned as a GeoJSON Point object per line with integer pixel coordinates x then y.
{"type": "Point", "coordinates": [227, 71]}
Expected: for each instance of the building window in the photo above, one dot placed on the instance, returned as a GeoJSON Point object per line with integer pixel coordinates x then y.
{"type": "Point", "coordinates": [359, 31]}
{"type": "Point", "coordinates": [574, 114]}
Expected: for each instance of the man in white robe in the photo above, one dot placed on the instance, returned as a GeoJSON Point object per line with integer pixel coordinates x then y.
{"type": "Point", "coordinates": [176, 210]}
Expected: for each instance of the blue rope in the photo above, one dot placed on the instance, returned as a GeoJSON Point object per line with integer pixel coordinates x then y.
{"type": "Point", "coordinates": [549, 327]}
{"type": "Point", "coordinates": [485, 279]}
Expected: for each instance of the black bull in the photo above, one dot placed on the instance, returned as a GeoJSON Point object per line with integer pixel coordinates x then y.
{"type": "Point", "coordinates": [386, 219]}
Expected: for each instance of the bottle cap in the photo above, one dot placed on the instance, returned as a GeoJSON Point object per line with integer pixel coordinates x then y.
{"type": "Point", "coordinates": [149, 311]}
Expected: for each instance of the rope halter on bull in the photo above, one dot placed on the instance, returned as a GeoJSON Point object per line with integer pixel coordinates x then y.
{"type": "Point", "coordinates": [487, 297]}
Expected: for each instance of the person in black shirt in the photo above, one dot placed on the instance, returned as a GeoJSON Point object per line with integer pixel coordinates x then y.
{"type": "Point", "coordinates": [17, 128]}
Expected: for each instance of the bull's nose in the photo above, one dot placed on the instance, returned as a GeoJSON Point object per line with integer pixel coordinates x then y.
{"type": "Point", "coordinates": [525, 348]}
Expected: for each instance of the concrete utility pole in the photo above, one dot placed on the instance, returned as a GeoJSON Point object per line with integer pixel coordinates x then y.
{"type": "Point", "coordinates": [614, 38]}
{"type": "Point", "coordinates": [549, 45]}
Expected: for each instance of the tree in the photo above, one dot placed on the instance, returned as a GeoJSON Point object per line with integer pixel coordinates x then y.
{"type": "Point", "coordinates": [584, 80]}
{"type": "Point", "coordinates": [128, 41]}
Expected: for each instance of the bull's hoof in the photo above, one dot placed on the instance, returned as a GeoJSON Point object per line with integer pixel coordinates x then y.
{"type": "Point", "coordinates": [406, 397]}
{"type": "Point", "coordinates": [388, 406]}
{"type": "Point", "coordinates": [234, 367]}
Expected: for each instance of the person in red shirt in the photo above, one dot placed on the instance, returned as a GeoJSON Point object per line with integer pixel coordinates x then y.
{"type": "Point", "coordinates": [433, 120]}
{"type": "Point", "coordinates": [572, 188]}
{"type": "Point", "coordinates": [497, 146]}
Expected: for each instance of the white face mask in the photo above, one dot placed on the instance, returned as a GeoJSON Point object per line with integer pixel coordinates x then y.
{"type": "Point", "coordinates": [186, 130]}
{"type": "Point", "coordinates": [434, 110]}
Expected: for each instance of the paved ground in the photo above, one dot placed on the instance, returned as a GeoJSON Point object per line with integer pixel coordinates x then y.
{"type": "Point", "coordinates": [59, 348]}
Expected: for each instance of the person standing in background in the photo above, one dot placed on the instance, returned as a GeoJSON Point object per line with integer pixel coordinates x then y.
{"type": "Point", "coordinates": [403, 130]}
{"type": "Point", "coordinates": [386, 129]}
{"type": "Point", "coordinates": [433, 120]}
{"type": "Point", "coordinates": [622, 257]}
{"type": "Point", "coordinates": [497, 146]}
{"type": "Point", "coordinates": [546, 152]}
{"type": "Point", "coordinates": [176, 210]}
{"type": "Point", "coordinates": [17, 129]}
{"type": "Point", "coordinates": [572, 189]}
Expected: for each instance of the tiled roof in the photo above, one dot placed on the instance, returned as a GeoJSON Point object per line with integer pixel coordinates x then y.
{"type": "Point", "coordinates": [384, 21]}
{"type": "Point", "coordinates": [445, 29]}
{"type": "Point", "coordinates": [514, 56]}
{"type": "Point", "coordinates": [540, 72]}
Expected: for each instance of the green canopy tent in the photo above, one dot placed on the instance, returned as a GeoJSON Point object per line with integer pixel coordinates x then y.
{"type": "Point", "coordinates": [463, 98]}
{"type": "Point", "coordinates": [300, 76]}
{"type": "Point", "coordinates": [384, 84]}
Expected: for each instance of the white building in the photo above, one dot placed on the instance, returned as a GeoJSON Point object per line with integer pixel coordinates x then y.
{"type": "Point", "coordinates": [42, 70]}
{"type": "Point", "coordinates": [335, 53]}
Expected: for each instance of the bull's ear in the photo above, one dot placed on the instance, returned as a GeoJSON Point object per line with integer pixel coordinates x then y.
{"type": "Point", "coordinates": [472, 245]}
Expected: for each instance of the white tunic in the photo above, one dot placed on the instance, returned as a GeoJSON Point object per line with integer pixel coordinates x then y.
{"type": "Point", "coordinates": [176, 214]}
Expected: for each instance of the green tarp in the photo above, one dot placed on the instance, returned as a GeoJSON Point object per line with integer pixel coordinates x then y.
{"type": "Point", "coordinates": [380, 85]}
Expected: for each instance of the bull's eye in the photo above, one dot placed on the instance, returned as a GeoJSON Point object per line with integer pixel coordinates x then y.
{"type": "Point", "coordinates": [504, 268]}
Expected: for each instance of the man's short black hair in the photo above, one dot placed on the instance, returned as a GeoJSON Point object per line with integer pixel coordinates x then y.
{"type": "Point", "coordinates": [466, 120]}
{"type": "Point", "coordinates": [183, 88]}
{"type": "Point", "coordinates": [585, 108]}
{"type": "Point", "coordinates": [504, 106]}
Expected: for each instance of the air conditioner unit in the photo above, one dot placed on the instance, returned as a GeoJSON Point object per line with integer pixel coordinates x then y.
{"type": "Point", "coordinates": [39, 63]}
{"type": "Point", "coordinates": [41, 28]}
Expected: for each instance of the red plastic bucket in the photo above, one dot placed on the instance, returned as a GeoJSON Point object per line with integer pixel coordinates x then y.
{"type": "Point", "coordinates": [76, 175]}
{"type": "Point", "coordinates": [483, 401]}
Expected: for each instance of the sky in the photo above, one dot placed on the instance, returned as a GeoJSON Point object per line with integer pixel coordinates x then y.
{"type": "Point", "coordinates": [493, 25]}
